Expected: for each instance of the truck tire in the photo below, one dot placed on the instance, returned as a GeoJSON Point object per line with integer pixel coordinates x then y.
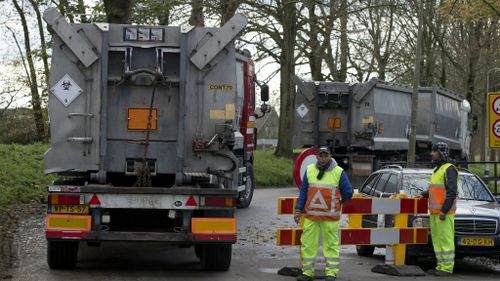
{"type": "Point", "coordinates": [365, 251]}
{"type": "Point", "coordinates": [216, 257]}
{"type": "Point", "coordinates": [62, 254]}
{"type": "Point", "coordinates": [245, 197]}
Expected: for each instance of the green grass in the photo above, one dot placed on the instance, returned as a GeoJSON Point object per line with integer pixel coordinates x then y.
{"type": "Point", "coordinates": [270, 170]}
{"type": "Point", "coordinates": [21, 176]}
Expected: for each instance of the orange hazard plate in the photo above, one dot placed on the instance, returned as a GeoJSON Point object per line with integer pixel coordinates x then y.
{"type": "Point", "coordinates": [213, 226]}
{"type": "Point", "coordinates": [68, 222]}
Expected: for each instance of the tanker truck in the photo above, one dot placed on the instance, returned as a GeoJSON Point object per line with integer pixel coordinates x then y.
{"type": "Point", "coordinates": [152, 133]}
{"type": "Point", "coordinates": [366, 124]}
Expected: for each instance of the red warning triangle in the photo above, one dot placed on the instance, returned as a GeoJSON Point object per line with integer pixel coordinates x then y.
{"type": "Point", "coordinates": [191, 201]}
{"type": "Point", "coordinates": [95, 200]}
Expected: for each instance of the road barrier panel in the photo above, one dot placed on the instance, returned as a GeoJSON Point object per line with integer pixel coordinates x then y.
{"type": "Point", "coordinates": [395, 239]}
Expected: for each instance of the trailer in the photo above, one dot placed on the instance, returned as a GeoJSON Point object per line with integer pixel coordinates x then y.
{"type": "Point", "coordinates": [152, 133]}
{"type": "Point", "coordinates": [365, 124]}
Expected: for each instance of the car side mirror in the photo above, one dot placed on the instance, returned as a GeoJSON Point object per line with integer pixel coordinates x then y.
{"type": "Point", "coordinates": [264, 93]}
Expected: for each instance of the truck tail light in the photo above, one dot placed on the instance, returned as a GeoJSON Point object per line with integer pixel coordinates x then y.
{"type": "Point", "coordinates": [65, 199]}
{"type": "Point", "coordinates": [217, 201]}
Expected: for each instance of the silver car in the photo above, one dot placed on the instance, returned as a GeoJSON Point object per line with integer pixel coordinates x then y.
{"type": "Point", "coordinates": [477, 216]}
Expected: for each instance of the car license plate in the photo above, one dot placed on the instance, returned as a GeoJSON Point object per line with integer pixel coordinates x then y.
{"type": "Point", "coordinates": [481, 242]}
{"type": "Point", "coordinates": [70, 209]}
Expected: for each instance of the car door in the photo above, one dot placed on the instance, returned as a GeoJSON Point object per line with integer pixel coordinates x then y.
{"type": "Point", "coordinates": [369, 190]}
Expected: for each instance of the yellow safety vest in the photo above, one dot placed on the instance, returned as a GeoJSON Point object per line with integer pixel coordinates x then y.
{"type": "Point", "coordinates": [437, 190]}
{"type": "Point", "coordinates": [322, 193]}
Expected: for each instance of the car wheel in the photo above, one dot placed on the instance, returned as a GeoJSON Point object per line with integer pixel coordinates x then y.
{"type": "Point", "coordinates": [365, 251]}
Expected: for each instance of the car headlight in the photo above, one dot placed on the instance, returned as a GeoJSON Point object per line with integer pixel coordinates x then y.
{"type": "Point", "coordinates": [420, 222]}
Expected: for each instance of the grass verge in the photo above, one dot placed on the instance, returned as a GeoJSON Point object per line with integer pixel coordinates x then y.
{"type": "Point", "coordinates": [270, 170]}
{"type": "Point", "coordinates": [22, 179]}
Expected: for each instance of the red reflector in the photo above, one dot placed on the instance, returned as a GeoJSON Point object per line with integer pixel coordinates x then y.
{"type": "Point", "coordinates": [64, 199]}
{"type": "Point", "coordinates": [217, 201]}
{"type": "Point", "coordinates": [66, 234]}
{"type": "Point", "coordinates": [191, 201]}
{"type": "Point", "coordinates": [215, 237]}
{"type": "Point", "coordinates": [95, 201]}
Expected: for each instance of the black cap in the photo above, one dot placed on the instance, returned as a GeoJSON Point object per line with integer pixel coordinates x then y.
{"type": "Point", "coordinates": [323, 149]}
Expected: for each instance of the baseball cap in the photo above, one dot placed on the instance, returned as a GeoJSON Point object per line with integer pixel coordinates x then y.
{"type": "Point", "coordinates": [323, 149]}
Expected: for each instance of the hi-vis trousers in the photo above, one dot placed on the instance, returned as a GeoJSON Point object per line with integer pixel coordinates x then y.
{"type": "Point", "coordinates": [443, 241]}
{"type": "Point", "coordinates": [309, 248]}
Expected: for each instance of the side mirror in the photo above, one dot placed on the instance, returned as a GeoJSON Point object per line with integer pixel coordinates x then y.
{"type": "Point", "coordinates": [264, 93]}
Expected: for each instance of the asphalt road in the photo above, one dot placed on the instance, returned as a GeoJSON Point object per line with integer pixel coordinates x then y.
{"type": "Point", "coordinates": [255, 256]}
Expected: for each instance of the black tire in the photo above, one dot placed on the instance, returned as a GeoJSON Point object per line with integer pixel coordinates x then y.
{"type": "Point", "coordinates": [216, 257]}
{"type": "Point", "coordinates": [245, 197]}
{"type": "Point", "coordinates": [365, 251]}
{"type": "Point", "coordinates": [62, 254]}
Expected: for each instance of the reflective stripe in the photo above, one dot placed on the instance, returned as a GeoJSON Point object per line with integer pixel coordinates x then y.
{"type": "Point", "coordinates": [319, 213]}
{"type": "Point", "coordinates": [333, 259]}
{"type": "Point", "coordinates": [306, 267]}
{"type": "Point", "coordinates": [332, 265]}
{"type": "Point", "coordinates": [446, 260]}
{"type": "Point", "coordinates": [314, 185]}
{"type": "Point", "coordinates": [437, 186]}
{"type": "Point", "coordinates": [445, 253]}
{"type": "Point", "coordinates": [322, 185]}
{"type": "Point", "coordinates": [306, 260]}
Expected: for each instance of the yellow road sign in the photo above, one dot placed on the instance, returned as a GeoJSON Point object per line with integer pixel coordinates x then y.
{"type": "Point", "coordinates": [494, 119]}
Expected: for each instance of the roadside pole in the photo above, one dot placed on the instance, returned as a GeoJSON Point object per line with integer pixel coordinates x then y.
{"type": "Point", "coordinates": [414, 97]}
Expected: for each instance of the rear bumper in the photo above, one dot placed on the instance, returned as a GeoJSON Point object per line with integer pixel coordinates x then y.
{"type": "Point", "coordinates": [166, 237]}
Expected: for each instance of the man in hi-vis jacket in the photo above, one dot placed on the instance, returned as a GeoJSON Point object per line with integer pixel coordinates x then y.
{"type": "Point", "coordinates": [324, 187]}
{"type": "Point", "coordinates": [442, 196]}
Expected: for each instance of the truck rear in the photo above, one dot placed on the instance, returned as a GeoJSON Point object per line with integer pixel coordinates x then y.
{"type": "Point", "coordinates": [152, 133]}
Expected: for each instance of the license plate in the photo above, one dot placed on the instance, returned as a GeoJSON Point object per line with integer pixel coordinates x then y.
{"type": "Point", "coordinates": [481, 242]}
{"type": "Point", "coordinates": [70, 209]}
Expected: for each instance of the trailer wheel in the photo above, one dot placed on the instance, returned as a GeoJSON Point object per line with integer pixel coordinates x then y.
{"type": "Point", "coordinates": [245, 197]}
{"type": "Point", "coordinates": [62, 254]}
{"type": "Point", "coordinates": [216, 257]}
{"type": "Point", "coordinates": [365, 251]}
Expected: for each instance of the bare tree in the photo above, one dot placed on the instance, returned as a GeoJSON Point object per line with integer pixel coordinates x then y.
{"type": "Point", "coordinates": [197, 17]}
{"type": "Point", "coordinates": [118, 11]}
{"type": "Point", "coordinates": [35, 95]}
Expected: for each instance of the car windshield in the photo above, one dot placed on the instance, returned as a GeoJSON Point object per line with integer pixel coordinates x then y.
{"type": "Point", "coordinates": [469, 187]}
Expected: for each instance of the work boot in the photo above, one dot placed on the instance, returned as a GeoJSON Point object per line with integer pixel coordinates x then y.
{"type": "Point", "coordinates": [331, 278]}
{"type": "Point", "coordinates": [439, 273]}
{"type": "Point", "coordinates": [304, 278]}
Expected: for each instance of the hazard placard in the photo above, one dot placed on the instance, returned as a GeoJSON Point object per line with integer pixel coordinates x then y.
{"type": "Point", "coordinates": [494, 119]}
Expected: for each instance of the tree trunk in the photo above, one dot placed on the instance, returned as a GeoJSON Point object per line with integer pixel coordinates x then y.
{"type": "Point", "coordinates": [228, 9]}
{"type": "Point", "coordinates": [344, 49]}
{"type": "Point", "coordinates": [314, 55]}
{"type": "Point", "coordinates": [118, 11]}
{"type": "Point", "coordinates": [43, 47]}
{"type": "Point", "coordinates": [287, 95]}
{"type": "Point", "coordinates": [35, 96]}
{"type": "Point", "coordinates": [197, 18]}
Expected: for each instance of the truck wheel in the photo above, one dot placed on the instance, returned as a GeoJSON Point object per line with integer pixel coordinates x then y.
{"type": "Point", "coordinates": [245, 197]}
{"type": "Point", "coordinates": [216, 257]}
{"type": "Point", "coordinates": [62, 254]}
{"type": "Point", "coordinates": [365, 251]}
